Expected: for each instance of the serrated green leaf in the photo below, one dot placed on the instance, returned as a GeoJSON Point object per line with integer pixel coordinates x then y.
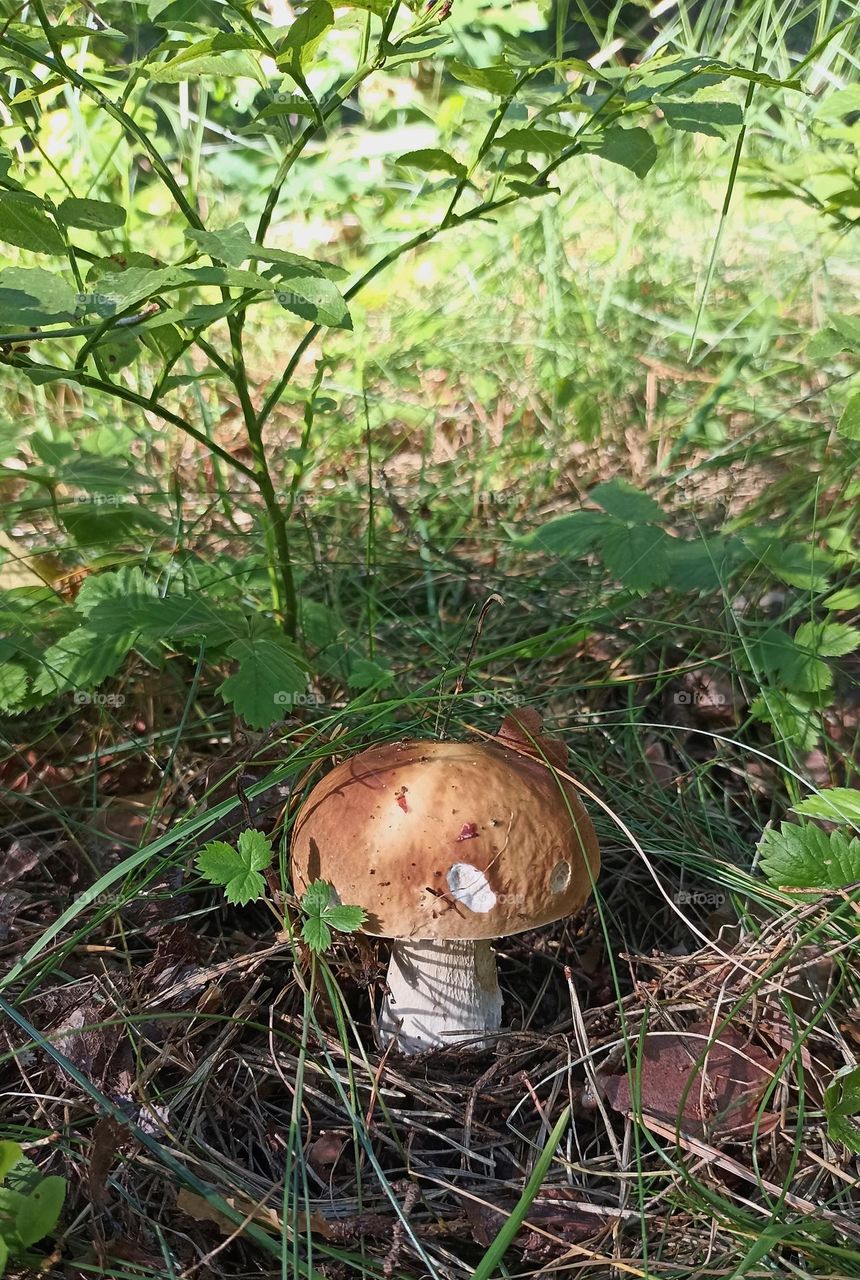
{"type": "Point", "coordinates": [92, 215]}
{"type": "Point", "coordinates": [160, 618]}
{"type": "Point", "coordinates": [836, 804]}
{"type": "Point", "coordinates": [255, 848]}
{"type": "Point", "coordinates": [799, 564]}
{"type": "Point", "coordinates": [849, 423]}
{"type": "Point", "coordinates": [365, 674]}
{"type": "Point", "coordinates": [431, 159]}
{"type": "Point", "coordinates": [32, 296]}
{"type": "Point", "coordinates": [10, 1154]}
{"type": "Point", "coordinates": [92, 524]}
{"type": "Point", "coordinates": [316, 934]}
{"type": "Point", "coordinates": [847, 598]}
{"type": "Point", "coordinates": [805, 856]}
{"type": "Point", "coordinates": [842, 1108]}
{"type": "Point", "coordinates": [775, 653]}
{"type": "Point", "coordinates": [13, 686]}
{"type": "Point", "coordinates": [24, 222]}
{"type": "Point", "coordinates": [499, 80]}
{"type": "Point", "coordinates": [635, 149]}
{"type": "Point", "coordinates": [237, 869]}
{"type": "Point", "coordinates": [635, 554]}
{"type": "Point", "coordinates": [828, 639]}
{"type": "Point", "coordinates": [81, 660]}
{"type": "Point", "coordinates": [344, 919]}
{"type": "Point", "coordinates": [122, 584]}
{"type": "Point", "coordinates": [622, 499]}
{"type": "Point", "coordinates": [571, 535]}
{"type": "Point", "coordinates": [316, 898]}
{"type": "Point", "coordinates": [795, 722]}
{"type": "Point", "coordinates": [269, 675]}
{"type": "Point", "coordinates": [40, 1211]}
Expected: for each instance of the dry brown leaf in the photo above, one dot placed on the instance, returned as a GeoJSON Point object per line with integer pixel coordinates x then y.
{"type": "Point", "coordinates": [199, 1208]}
{"type": "Point", "coordinates": [706, 1089]}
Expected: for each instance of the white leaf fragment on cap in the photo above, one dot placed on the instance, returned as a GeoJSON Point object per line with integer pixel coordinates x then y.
{"type": "Point", "coordinates": [469, 885]}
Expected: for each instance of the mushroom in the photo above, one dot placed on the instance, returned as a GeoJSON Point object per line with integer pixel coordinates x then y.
{"type": "Point", "coordinates": [447, 845]}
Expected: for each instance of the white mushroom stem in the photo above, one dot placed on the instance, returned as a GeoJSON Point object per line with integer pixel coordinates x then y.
{"type": "Point", "coordinates": [440, 993]}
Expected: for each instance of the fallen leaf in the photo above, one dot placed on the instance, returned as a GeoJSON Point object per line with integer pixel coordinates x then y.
{"type": "Point", "coordinates": [708, 1089]}
{"type": "Point", "coordinates": [554, 1211]}
{"type": "Point", "coordinates": [323, 1153]}
{"type": "Point", "coordinates": [200, 1209]}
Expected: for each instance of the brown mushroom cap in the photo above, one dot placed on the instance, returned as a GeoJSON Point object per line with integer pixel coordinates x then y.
{"type": "Point", "coordinates": [440, 840]}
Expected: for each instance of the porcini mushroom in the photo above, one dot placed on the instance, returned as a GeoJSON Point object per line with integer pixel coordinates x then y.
{"type": "Point", "coordinates": [446, 846]}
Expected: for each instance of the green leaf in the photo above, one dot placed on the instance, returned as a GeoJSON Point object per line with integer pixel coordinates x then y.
{"type": "Point", "coordinates": [225, 55]}
{"type": "Point", "coordinates": [702, 117]}
{"type": "Point", "coordinates": [799, 564]}
{"type": "Point", "coordinates": [365, 674]}
{"type": "Point", "coordinates": [847, 598]}
{"type": "Point", "coordinates": [545, 142]}
{"type": "Point", "coordinates": [232, 244]}
{"type": "Point", "coordinates": [345, 919]}
{"type": "Point", "coordinates": [313, 298]}
{"type": "Point", "coordinates": [498, 80]}
{"type": "Point", "coordinates": [316, 934]}
{"type": "Point", "coordinates": [430, 159]}
{"type": "Point", "coordinates": [176, 618]}
{"type": "Point", "coordinates": [10, 1154]}
{"type": "Point", "coordinates": [828, 639]}
{"type": "Point", "coordinates": [701, 565]}
{"type": "Point", "coordinates": [636, 554]}
{"type": "Point", "coordinates": [13, 686]}
{"type": "Point", "coordinates": [836, 804]}
{"type": "Point", "coordinates": [316, 898]}
{"type": "Point", "coordinates": [796, 721]}
{"type": "Point", "coordinates": [32, 296]}
{"type": "Point", "coordinates": [269, 674]}
{"type": "Point", "coordinates": [774, 653]}
{"type": "Point", "coordinates": [805, 856]}
{"type": "Point", "coordinates": [40, 1211]}
{"type": "Point", "coordinates": [304, 36]}
{"type": "Point", "coordinates": [25, 223]}
{"type": "Point", "coordinates": [129, 581]}
{"type": "Point", "coordinates": [849, 423]}
{"type": "Point", "coordinates": [824, 344]}
{"type": "Point", "coordinates": [238, 870]}
{"type": "Point", "coordinates": [81, 660]}
{"type": "Point", "coordinates": [4, 1256]}
{"type": "Point", "coordinates": [842, 1107]}
{"type": "Point", "coordinates": [624, 500]}
{"type": "Point", "coordinates": [633, 148]}
{"type": "Point", "coordinates": [571, 535]}
{"type": "Point", "coordinates": [93, 524]}
{"type": "Point", "coordinates": [92, 215]}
